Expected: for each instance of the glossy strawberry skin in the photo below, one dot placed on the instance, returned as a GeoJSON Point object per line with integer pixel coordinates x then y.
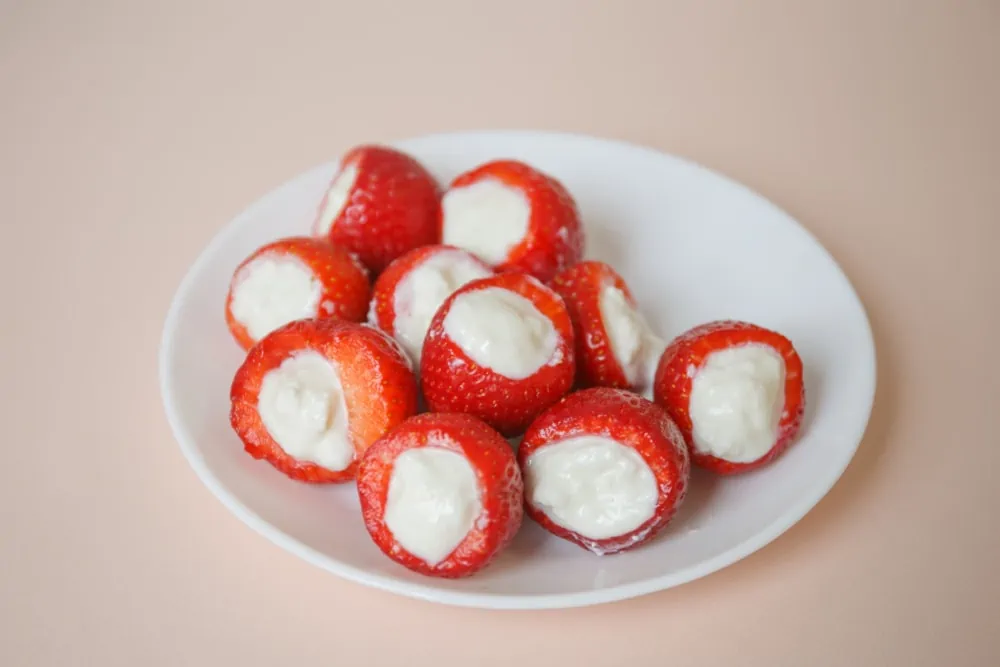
{"type": "Point", "coordinates": [346, 288]}
{"type": "Point", "coordinates": [499, 479]}
{"type": "Point", "coordinates": [382, 312]}
{"type": "Point", "coordinates": [379, 389]}
{"type": "Point", "coordinates": [555, 236]}
{"type": "Point", "coordinates": [453, 382]}
{"type": "Point", "coordinates": [393, 207]}
{"type": "Point", "coordinates": [580, 287]}
{"type": "Point", "coordinates": [686, 354]}
{"type": "Point", "coordinates": [634, 422]}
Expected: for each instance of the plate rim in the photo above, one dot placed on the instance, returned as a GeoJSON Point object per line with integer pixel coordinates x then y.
{"type": "Point", "coordinates": [427, 592]}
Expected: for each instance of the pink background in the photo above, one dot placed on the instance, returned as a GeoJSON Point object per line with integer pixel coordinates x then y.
{"type": "Point", "coordinates": [129, 136]}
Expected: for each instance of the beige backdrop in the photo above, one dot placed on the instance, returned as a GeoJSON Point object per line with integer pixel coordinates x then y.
{"type": "Point", "coordinates": [130, 132]}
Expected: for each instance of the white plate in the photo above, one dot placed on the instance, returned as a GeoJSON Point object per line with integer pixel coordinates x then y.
{"type": "Point", "coordinates": [693, 245]}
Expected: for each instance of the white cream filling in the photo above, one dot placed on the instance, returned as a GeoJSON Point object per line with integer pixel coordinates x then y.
{"type": "Point", "coordinates": [273, 290]}
{"type": "Point", "coordinates": [592, 485]}
{"type": "Point", "coordinates": [487, 218]}
{"type": "Point", "coordinates": [503, 331]}
{"type": "Point", "coordinates": [736, 401]}
{"type": "Point", "coordinates": [433, 502]}
{"type": "Point", "coordinates": [419, 295]}
{"type": "Point", "coordinates": [636, 348]}
{"type": "Point", "coordinates": [336, 198]}
{"type": "Point", "coordinates": [301, 403]}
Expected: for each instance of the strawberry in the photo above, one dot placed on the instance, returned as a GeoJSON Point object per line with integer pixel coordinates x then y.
{"type": "Point", "coordinates": [501, 349]}
{"type": "Point", "coordinates": [412, 288]}
{"type": "Point", "coordinates": [615, 346]}
{"type": "Point", "coordinates": [441, 494]}
{"type": "Point", "coordinates": [291, 279]}
{"type": "Point", "coordinates": [735, 390]}
{"type": "Point", "coordinates": [604, 469]}
{"type": "Point", "coordinates": [380, 204]}
{"type": "Point", "coordinates": [314, 394]}
{"type": "Point", "coordinates": [514, 217]}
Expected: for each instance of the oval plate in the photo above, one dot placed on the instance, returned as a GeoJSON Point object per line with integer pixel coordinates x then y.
{"type": "Point", "coordinates": [693, 245]}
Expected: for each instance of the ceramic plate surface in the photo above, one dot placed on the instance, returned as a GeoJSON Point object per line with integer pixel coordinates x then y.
{"type": "Point", "coordinates": [694, 246]}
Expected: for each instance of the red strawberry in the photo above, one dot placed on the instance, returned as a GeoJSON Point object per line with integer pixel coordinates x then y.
{"type": "Point", "coordinates": [313, 395]}
{"type": "Point", "coordinates": [292, 279]}
{"type": "Point", "coordinates": [414, 286]}
{"type": "Point", "coordinates": [441, 494]}
{"type": "Point", "coordinates": [514, 217]}
{"type": "Point", "coordinates": [380, 204]}
{"type": "Point", "coordinates": [614, 345]}
{"type": "Point", "coordinates": [735, 390]}
{"type": "Point", "coordinates": [604, 469]}
{"type": "Point", "coordinates": [500, 348]}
